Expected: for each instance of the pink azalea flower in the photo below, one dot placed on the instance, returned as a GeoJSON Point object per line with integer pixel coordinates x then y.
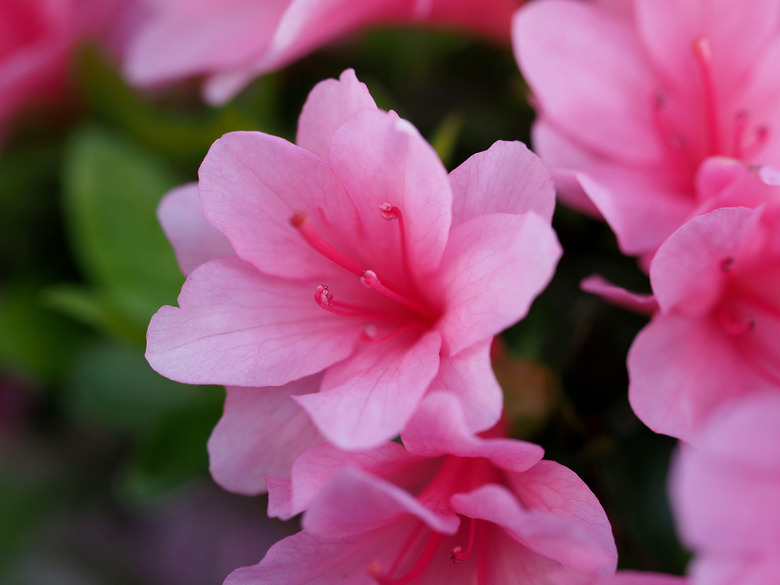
{"type": "Point", "coordinates": [355, 255]}
{"type": "Point", "coordinates": [232, 42]}
{"type": "Point", "coordinates": [37, 38]}
{"type": "Point", "coordinates": [726, 494]}
{"type": "Point", "coordinates": [488, 512]}
{"type": "Point", "coordinates": [632, 102]}
{"type": "Point", "coordinates": [715, 335]}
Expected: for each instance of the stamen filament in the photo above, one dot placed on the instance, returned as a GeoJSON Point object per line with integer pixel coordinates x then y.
{"type": "Point", "coordinates": [300, 221]}
{"type": "Point", "coordinates": [457, 554]}
{"type": "Point", "coordinates": [324, 298]}
{"type": "Point", "coordinates": [418, 569]}
{"type": "Point", "coordinates": [369, 338]}
{"type": "Point", "coordinates": [703, 54]}
{"type": "Point", "coordinates": [370, 279]}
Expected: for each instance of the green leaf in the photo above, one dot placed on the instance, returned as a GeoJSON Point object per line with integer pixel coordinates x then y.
{"type": "Point", "coordinates": [112, 189]}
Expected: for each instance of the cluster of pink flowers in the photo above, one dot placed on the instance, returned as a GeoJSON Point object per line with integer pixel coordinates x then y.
{"type": "Point", "coordinates": [346, 289]}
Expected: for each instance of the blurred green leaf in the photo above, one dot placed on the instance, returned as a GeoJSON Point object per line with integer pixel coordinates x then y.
{"type": "Point", "coordinates": [174, 451]}
{"type": "Point", "coordinates": [111, 191]}
{"type": "Point", "coordinates": [111, 385]}
{"type": "Point", "coordinates": [32, 336]}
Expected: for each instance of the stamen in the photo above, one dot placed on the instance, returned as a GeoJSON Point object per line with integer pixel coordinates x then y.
{"type": "Point", "coordinates": [457, 554]}
{"type": "Point", "coordinates": [300, 221]}
{"type": "Point", "coordinates": [324, 298]}
{"type": "Point", "coordinates": [369, 332]}
{"type": "Point", "coordinates": [370, 279]}
{"type": "Point", "coordinates": [417, 570]}
{"type": "Point", "coordinates": [703, 54]}
{"type": "Point", "coordinates": [740, 125]}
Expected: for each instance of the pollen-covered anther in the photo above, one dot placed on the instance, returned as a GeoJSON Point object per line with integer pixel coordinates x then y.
{"type": "Point", "coordinates": [322, 295]}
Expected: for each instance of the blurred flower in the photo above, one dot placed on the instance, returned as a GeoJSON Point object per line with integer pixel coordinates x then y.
{"type": "Point", "coordinates": [356, 255]}
{"type": "Point", "coordinates": [632, 102]}
{"type": "Point", "coordinates": [37, 38]}
{"type": "Point", "coordinates": [725, 489]}
{"type": "Point", "coordinates": [715, 335]}
{"type": "Point", "coordinates": [233, 42]}
{"type": "Point", "coordinates": [488, 511]}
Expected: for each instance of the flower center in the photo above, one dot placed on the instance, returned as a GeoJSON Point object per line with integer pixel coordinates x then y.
{"type": "Point", "coordinates": [745, 141]}
{"type": "Point", "coordinates": [416, 314]}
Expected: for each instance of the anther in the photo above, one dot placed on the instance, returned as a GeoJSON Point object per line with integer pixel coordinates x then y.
{"type": "Point", "coordinates": [388, 211]}
{"type": "Point", "coordinates": [725, 264]}
{"type": "Point", "coordinates": [458, 554]}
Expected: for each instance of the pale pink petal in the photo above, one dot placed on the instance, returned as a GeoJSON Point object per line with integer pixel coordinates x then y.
{"type": "Point", "coordinates": [669, 39]}
{"type": "Point", "coordinates": [617, 295]}
{"type": "Point", "coordinates": [506, 178]}
{"type": "Point", "coordinates": [355, 502]}
{"type": "Point", "coordinates": [262, 431]}
{"type": "Point", "coordinates": [725, 182]}
{"type": "Point", "coordinates": [717, 570]}
{"type": "Point", "coordinates": [228, 329]}
{"type": "Point", "coordinates": [184, 39]}
{"type": "Point", "coordinates": [305, 559]}
{"type": "Point", "coordinates": [469, 377]}
{"type": "Point", "coordinates": [320, 464]}
{"type": "Point", "coordinates": [194, 239]}
{"type": "Point", "coordinates": [368, 398]}
{"type": "Point", "coordinates": [331, 103]}
{"type": "Point", "coordinates": [492, 270]}
{"type": "Point", "coordinates": [604, 99]}
{"type": "Point", "coordinates": [687, 271]}
{"type": "Point", "coordinates": [251, 185]}
{"type": "Point", "coordinates": [438, 428]}
{"type": "Point", "coordinates": [381, 158]}
{"type": "Point", "coordinates": [563, 156]}
{"type": "Point", "coordinates": [567, 540]}
{"type": "Point", "coordinates": [680, 369]}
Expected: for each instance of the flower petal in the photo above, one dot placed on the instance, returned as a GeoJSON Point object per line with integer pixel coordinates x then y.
{"type": "Point", "coordinates": [262, 431]}
{"type": "Point", "coordinates": [251, 185]}
{"type": "Point", "coordinates": [330, 104]}
{"type": "Point", "coordinates": [368, 399]}
{"type": "Point", "coordinates": [493, 268]}
{"type": "Point", "coordinates": [239, 327]}
{"type": "Point", "coordinates": [193, 238]}
{"type": "Point", "coordinates": [506, 178]}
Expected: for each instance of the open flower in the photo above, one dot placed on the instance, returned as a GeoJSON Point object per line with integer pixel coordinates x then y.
{"type": "Point", "coordinates": [715, 335]}
{"type": "Point", "coordinates": [357, 256]}
{"type": "Point", "coordinates": [478, 510]}
{"type": "Point", "coordinates": [632, 102]}
{"type": "Point", "coordinates": [233, 41]}
{"type": "Point", "coordinates": [725, 491]}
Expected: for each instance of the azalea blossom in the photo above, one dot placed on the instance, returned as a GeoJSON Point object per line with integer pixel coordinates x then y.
{"type": "Point", "coordinates": [725, 490]}
{"type": "Point", "coordinates": [632, 102]}
{"type": "Point", "coordinates": [477, 510]}
{"type": "Point", "coordinates": [715, 335]}
{"type": "Point", "coordinates": [37, 38]}
{"type": "Point", "coordinates": [232, 42]}
{"type": "Point", "coordinates": [355, 255]}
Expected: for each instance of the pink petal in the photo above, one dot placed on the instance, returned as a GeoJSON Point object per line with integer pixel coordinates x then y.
{"type": "Point", "coordinates": [506, 178]}
{"type": "Point", "coordinates": [239, 327]}
{"type": "Point", "coordinates": [262, 431]}
{"type": "Point", "coordinates": [492, 270]}
{"type": "Point", "coordinates": [250, 186]}
{"type": "Point", "coordinates": [717, 570]}
{"type": "Point", "coordinates": [355, 502]}
{"type": "Point", "coordinates": [680, 369]}
{"type": "Point", "coordinates": [193, 238]}
{"type": "Point", "coordinates": [380, 158]}
{"type": "Point", "coordinates": [639, 303]}
{"type": "Point", "coordinates": [567, 540]}
{"type": "Point", "coordinates": [330, 104]}
{"type": "Point", "coordinates": [183, 39]}
{"type": "Point", "coordinates": [438, 428]}
{"type": "Point", "coordinates": [587, 72]}
{"type": "Point", "coordinates": [669, 28]}
{"type": "Point", "coordinates": [316, 467]}
{"type": "Point", "coordinates": [368, 399]}
{"type": "Point", "coordinates": [687, 273]}
{"type": "Point", "coordinates": [469, 377]}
